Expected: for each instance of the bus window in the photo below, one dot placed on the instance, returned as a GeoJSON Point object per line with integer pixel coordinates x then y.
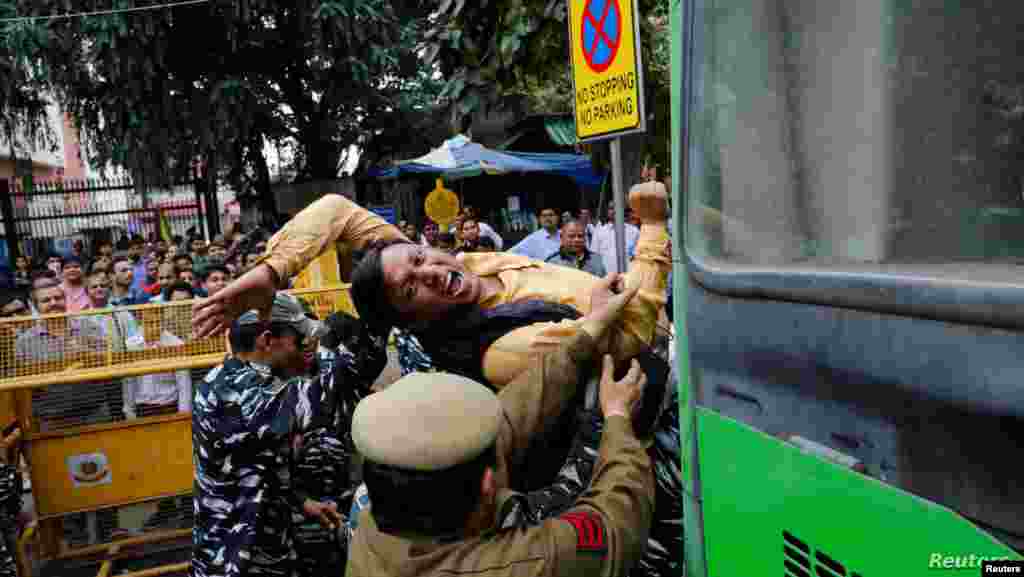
{"type": "Point", "coordinates": [849, 134]}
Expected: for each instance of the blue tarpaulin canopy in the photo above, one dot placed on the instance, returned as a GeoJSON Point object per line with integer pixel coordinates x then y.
{"type": "Point", "coordinates": [460, 157]}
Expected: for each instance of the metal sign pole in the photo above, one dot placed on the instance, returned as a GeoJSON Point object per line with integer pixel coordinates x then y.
{"type": "Point", "coordinates": [618, 194]}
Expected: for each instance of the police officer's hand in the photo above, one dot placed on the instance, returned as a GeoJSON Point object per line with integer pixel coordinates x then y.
{"type": "Point", "coordinates": [326, 513]}
{"type": "Point", "coordinates": [607, 301]}
{"type": "Point", "coordinates": [620, 397]}
{"type": "Point", "coordinates": [253, 290]}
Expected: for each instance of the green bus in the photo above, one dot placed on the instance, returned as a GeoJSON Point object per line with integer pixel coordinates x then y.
{"type": "Point", "coordinates": [848, 286]}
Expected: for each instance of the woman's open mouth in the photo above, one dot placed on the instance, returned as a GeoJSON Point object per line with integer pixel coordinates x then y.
{"type": "Point", "coordinates": [453, 284]}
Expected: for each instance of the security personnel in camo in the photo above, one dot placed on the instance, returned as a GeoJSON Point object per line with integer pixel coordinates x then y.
{"type": "Point", "coordinates": [438, 451]}
{"type": "Point", "coordinates": [247, 414]}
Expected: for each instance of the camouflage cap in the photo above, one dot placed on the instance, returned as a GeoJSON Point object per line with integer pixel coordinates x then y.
{"type": "Point", "coordinates": [427, 422]}
{"type": "Point", "coordinates": [287, 310]}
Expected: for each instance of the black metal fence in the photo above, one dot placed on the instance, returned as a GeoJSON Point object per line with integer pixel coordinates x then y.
{"type": "Point", "coordinates": [49, 215]}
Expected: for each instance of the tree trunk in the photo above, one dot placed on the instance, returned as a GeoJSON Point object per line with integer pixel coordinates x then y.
{"type": "Point", "coordinates": [210, 197]}
{"type": "Point", "coordinates": [267, 201]}
{"type": "Point", "coordinates": [321, 156]}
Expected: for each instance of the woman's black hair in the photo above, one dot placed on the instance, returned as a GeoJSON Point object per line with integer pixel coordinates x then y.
{"type": "Point", "coordinates": [369, 292]}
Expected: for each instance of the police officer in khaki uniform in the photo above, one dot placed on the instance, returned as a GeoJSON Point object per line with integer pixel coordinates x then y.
{"type": "Point", "coordinates": [439, 450]}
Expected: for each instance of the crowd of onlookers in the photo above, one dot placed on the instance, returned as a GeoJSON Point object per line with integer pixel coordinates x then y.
{"type": "Point", "coordinates": [135, 271]}
{"type": "Point", "coordinates": [132, 272]}
{"type": "Point", "coordinates": [574, 240]}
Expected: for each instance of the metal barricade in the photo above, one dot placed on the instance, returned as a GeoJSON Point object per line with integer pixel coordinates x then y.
{"type": "Point", "coordinates": [108, 448]}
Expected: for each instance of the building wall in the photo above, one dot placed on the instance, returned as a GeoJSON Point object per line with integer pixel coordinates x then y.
{"type": "Point", "coordinates": [39, 171]}
{"type": "Point", "coordinates": [74, 163]}
{"type": "Point", "coordinates": [63, 160]}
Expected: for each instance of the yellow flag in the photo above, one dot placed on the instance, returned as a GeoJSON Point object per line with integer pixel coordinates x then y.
{"type": "Point", "coordinates": [165, 228]}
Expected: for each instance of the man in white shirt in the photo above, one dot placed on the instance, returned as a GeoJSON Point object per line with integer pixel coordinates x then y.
{"type": "Point", "coordinates": [543, 242]}
{"type": "Point", "coordinates": [485, 229]}
{"type": "Point", "coordinates": [603, 242]}
{"type": "Point", "coordinates": [121, 323]}
{"type": "Point", "coordinates": [587, 220]}
{"type": "Point", "coordinates": [163, 393]}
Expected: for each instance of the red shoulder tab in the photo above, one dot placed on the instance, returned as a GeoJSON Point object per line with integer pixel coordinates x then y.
{"type": "Point", "coordinates": [590, 533]}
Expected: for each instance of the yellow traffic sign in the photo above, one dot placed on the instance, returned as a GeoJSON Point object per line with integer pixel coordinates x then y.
{"type": "Point", "coordinates": [606, 70]}
{"type": "Point", "coordinates": [441, 205]}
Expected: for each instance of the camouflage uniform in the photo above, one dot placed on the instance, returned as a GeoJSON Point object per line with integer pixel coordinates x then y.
{"type": "Point", "coordinates": [411, 356]}
{"type": "Point", "coordinates": [10, 506]}
{"type": "Point", "coordinates": [324, 460]}
{"type": "Point", "coordinates": [243, 422]}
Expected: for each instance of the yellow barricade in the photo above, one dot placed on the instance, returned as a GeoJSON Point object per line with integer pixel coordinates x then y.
{"type": "Point", "coordinates": [101, 455]}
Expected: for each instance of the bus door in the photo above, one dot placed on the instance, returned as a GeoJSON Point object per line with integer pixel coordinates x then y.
{"type": "Point", "coordinates": [853, 286]}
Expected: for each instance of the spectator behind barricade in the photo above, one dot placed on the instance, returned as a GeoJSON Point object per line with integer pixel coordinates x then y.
{"type": "Point", "coordinates": [136, 250]}
{"type": "Point", "coordinates": [152, 285]}
{"type": "Point", "coordinates": [164, 393]}
{"type": "Point", "coordinates": [14, 305]}
{"type": "Point", "coordinates": [121, 324]}
{"type": "Point", "coordinates": [105, 248]}
{"type": "Point", "coordinates": [75, 296]}
{"type": "Point", "coordinates": [61, 339]}
{"type": "Point", "coordinates": [183, 262]}
{"type": "Point", "coordinates": [214, 278]}
{"type": "Point", "coordinates": [470, 235]}
{"type": "Point", "coordinates": [37, 275]}
{"type": "Point", "coordinates": [123, 291]}
{"type": "Point", "coordinates": [218, 250]}
{"type": "Point", "coordinates": [429, 234]}
{"type": "Point", "coordinates": [78, 250]}
{"type": "Point", "coordinates": [573, 252]}
{"type": "Point", "coordinates": [604, 240]}
{"type": "Point", "coordinates": [187, 276]}
{"type": "Point", "coordinates": [101, 263]}
{"type": "Point", "coordinates": [197, 249]}
{"type": "Point", "coordinates": [486, 231]}
{"type": "Point", "coordinates": [541, 243]}
{"type": "Point", "coordinates": [167, 275]}
{"type": "Point", "coordinates": [251, 258]}
{"type": "Point", "coordinates": [23, 272]}
{"type": "Point", "coordinates": [55, 262]}
{"type": "Point", "coordinates": [409, 230]}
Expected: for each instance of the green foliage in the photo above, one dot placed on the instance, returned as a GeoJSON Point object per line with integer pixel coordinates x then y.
{"type": "Point", "coordinates": [23, 85]}
{"type": "Point", "coordinates": [493, 49]}
{"type": "Point", "coordinates": [155, 90]}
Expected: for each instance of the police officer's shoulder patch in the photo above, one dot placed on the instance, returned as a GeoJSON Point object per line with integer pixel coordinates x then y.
{"type": "Point", "coordinates": [591, 536]}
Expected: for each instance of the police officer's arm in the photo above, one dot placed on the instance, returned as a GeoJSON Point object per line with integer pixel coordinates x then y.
{"type": "Point", "coordinates": [605, 531]}
{"type": "Point", "coordinates": [535, 399]}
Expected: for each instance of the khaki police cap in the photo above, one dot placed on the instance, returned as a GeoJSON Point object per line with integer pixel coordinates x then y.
{"type": "Point", "coordinates": [427, 422]}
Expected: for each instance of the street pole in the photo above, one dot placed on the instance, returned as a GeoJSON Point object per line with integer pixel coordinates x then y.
{"type": "Point", "coordinates": [618, 194]}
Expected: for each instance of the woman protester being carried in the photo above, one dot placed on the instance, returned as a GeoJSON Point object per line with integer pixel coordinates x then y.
{"type": "Point", "coordinates": [497, 308]}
